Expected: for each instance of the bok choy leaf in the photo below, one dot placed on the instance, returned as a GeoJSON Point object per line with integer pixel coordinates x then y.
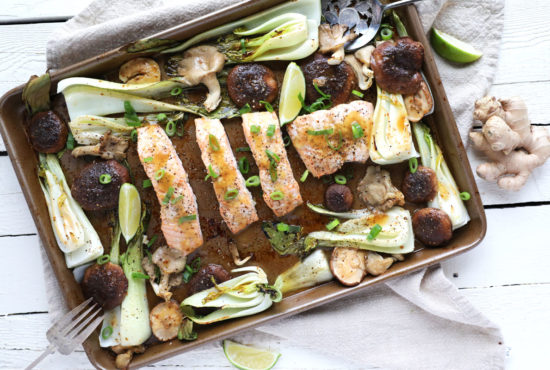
{"type": "Point", "coordinates": [73, 231]}
{"type": "Point", "coordinates": [391, 140]}
{"type": "Point", "coordinates": [448, 195]}
{"type": "Point", "coordinates": [88, 129]}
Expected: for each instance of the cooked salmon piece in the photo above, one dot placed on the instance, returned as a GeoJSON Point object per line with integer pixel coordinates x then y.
{"type": "Point", "coordinates": [324, 139]}
{"type": "Point", "coordinates": [280, 188]}
{"type": "Point", "coordinates": [178, 205]}
{"type": "Point", "coordinates": [237, 206]}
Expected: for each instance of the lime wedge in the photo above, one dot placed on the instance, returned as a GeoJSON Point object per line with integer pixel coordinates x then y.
{"type": "Point", "coordinates": [249, 358]}
{"type": "Point", "coordinates": [294, 83]}
{"type": "Point", "coordinates": [453, 49]}
{"type": "Point", "coordinates": [129, 210]}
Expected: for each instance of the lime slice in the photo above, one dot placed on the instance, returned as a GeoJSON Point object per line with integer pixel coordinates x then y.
{"type": "Point", "coordinates": [294, 83]}
{"type": "Point", "coordinates": [453, 49]}
{"type": "Point", "coordinates": [249, 358]}
{"type": "Point", "coordinates": [129, 210]}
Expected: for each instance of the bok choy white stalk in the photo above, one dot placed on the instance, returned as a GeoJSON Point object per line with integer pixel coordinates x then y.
{"type": "Point", "coordinates": [73, 231]}
{"type": "Point", "coordinates": [88, 130]}
{"type": "Point", "coordinates": [244, 295]}
{"type": "Point", "coordinates": [391, 140]}
{"type": "Point", "coordinates": [448, 195]}
{"type": "Point", "coordinates": [395, 235]}
{"type": "Point", "coordinates": [313, 270]}
{"type": "Point", "coordinates": [298, 20]}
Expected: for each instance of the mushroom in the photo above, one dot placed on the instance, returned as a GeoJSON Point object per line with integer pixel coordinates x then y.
{"type": "Point", "coordinates": [48, 132]}
{"type": "Point", "coordinates": [332, 39]}
{"type": "Point", "coordinates": [376, 264]}
{"type": "Point", "coordinates": [364, 54]}
{"type": "Point", "coordinates": [420, 186]}
{"type": "Point", "coordinates": [200, 65]}
{"type": "Point", "coordinates": [364, 74]}
{"type": "Point", "coordinates": [348, 265]}
{"type": "Point", "coordinates": [106, 284]}
{"type": "Point", "coordinates": [377, 190]}
{"type": "Point", "coordinates": [139, 71]}
{"type": "Point", "coordinates": [170, 263]}
{"type": "Point", "coordinates": [109, 147]}
{"type": "Point", "coordinates": [338, 198]}
{"type": "Point", "coordinates": [419, 103]}
{"type": "Point", "coordinates": [125, 354]}
{"type": "Point", "coordinates": [235, 254]}
{"type": "Point", "coordinates": [432, 226]}
{"type": "Point", "coordinates": [169, 260]}
{"type": "Point", "coordinates": [166, 319]}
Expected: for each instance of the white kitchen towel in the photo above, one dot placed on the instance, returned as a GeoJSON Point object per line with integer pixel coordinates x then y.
{"type": "Point", "coordinates": [420, 321]}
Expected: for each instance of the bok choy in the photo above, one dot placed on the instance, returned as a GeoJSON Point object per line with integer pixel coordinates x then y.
{"type": "Point", "coordinates": [244, 295]}
{"type": "Point", "coordinates": [391, 140]}
{"type": "Point", "coordinates": [394, 233]}
{"type": "Point", "coordinates": [313, 270]}
{"type": "Point", "coordinates": [448, 195]}
{"type": "Point", "coordinates": [73, 231]}
{"type": "Point", "coordinates": [285, 32]}
{"type": "Point", "coordinates": [88, 129]}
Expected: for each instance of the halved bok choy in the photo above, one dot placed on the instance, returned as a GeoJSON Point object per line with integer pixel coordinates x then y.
{"type": "Point", "coordinates": [448, 195]}
{"type": "Point", "coordinates": [244, 295]}
{"type": "Point", "coordinates": [391, 140]}
{"type": "Point", "coordinates": [74, 233]}
{"type": "Point", "coordinates": [89, 129]}
{"type": "Point", "coordinates": [395, 234]}
{"type": "Point", "coordinates": [311, 271]}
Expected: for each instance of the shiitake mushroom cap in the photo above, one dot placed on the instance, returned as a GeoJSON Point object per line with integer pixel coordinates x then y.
{"type": "Point", "coordinates": [338, 198]}
{"type": "Point", "coordinates": [432, 226]}
{"type": "Point", "coordinates": [106, 284]}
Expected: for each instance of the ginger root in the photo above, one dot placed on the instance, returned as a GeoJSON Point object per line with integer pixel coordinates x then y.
{"type": "Point", "coordinates": [514, 147]}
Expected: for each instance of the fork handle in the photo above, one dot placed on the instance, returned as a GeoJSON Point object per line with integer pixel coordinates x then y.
{"type": "Point", "coordinates": [47, 351]}
{"type": "Point", "coordinates": [399, 3]}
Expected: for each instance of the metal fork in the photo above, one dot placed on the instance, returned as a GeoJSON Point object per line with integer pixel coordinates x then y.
{"type": "Point", "coordinates": [72, 329]}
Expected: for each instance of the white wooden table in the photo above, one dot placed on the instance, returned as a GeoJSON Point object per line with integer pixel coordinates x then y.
{"type": "Point", "coordinates": [507, 277]}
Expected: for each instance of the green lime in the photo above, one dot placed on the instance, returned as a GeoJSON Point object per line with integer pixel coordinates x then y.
{"type": "Point", "coordinates": [294, 84]}
{"type": "Point", "coordinates": [249, 358]}
{"type": "Point", "coordinates": [129, 210]}
{"type": "Point", "coordinates": [453, 49]}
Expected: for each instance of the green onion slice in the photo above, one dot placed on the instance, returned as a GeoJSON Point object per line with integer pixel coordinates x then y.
{"type": "Point", "coordinates": [327, 96]}
{"type": "Point", "coordinates": [252, 181]}
{"type": "Point", "coordinates": [386, 33]}
{"type": "Point", "coordinates": [211, 173]}
{"type": "Point", "coordinates": [148, 159]}
{"type": "Point", "coordinates": [277, 195]}
{"type": "Point", "coordinates": [328, 131]}
{"type": "Point", "coordinates": [176, 91]}
{"type": "Point", "coordinates": [107, 332]}
{"type": "Point", "coordinates": [147, 184]}
{"type": "Point", "coordinates": [139, 275]}
{"type": "Point", "coordinates": [243, 149]}
{"type": "Point", "coordinates": [357, 93]}
{"type": "Point", "coordinates": [152, 241]}
{"type": "Point", "coordinates": [332, 224]}
{"type": "Point", "coordinates": [231, 194]}
{"type": "Point", "coordinates": [133, 135]}
{"type": "Point", "coordinates": [245, 109]}
{"type": "Point", "coordinates": [270, 130]}
{"type": "Point", "coordinates": [272, 156]}
{"type": "Point", "coordinates": [170, 128]}
{"type": "Point", "coordinates": [357, 130]}
{"type": "Point", "coordinates": [176, 199]}
{"type": "Point", "coordinates": [161, 117]}
{"type": "Point", "coordinates": [105, 178]}
{"type": "Point", "coordinates": [168, 195]}
{"type": "Point", "coordinates": [187, 218]}
{"type": "Point", "coordinates": [374, 232]}
{"type": "Point", "coordinates": [214, 143]}
{"type": "Point", "coordinates": [465, 195]}
{"type": "Point", "coordinates": [159, 174]}
{"type": "Point", "coordinates": [267, 106]}
{"type": "Point", "coordinates": [340, 179]}
{"type": "Point", "coordinates": [244, 166]}
{"type": "Point", "coordinates": [254, 129]}
{"type": "Point", "coordinates": [413, 165]}
{"type": "Point", "coordinates": [130, 115]}
{"type": "Point", "coordinates": [281, 226]}
{"type": "Point", "coordinates": [286, 140]}
{"type": "Point", "coordinates": [304, 176]}
{"type": "Point", "coordinates": [243, 46]}
{"type": "Point", "coordinates": [103, 259]}
{"type": "Point", "coordinates": [340, 142]}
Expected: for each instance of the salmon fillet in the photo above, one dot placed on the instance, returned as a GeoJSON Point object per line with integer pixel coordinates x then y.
{"type": "Point", "coordinates": [178, 205]}
{"type": "Point", "coordinates": [316, 153]}
{"type": "Point", "coordinates": [240, 211]}
{"type": "Point", "coordinates": [270, 156]}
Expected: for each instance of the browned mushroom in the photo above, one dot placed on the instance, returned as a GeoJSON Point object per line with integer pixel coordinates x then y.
{"type": "Point", "coordinates": [349, 265]}
{"type": "Point", "coordinates": [48, 132]}
{"type": "Point", "coordinates": [396, 66]}
{"type": "Point", "coordinates": [203, 279]}
{"type": "Point", "coordinates": [432, 226]}
{"type": "Point", "coordinates": [250, 84]}
{"type": "Point", "coordinates": [421, 186]}
{"type": "Point", "coordinates": [166, 319]}
{"type": "Point", "coordinates": [106, 284]}
{"type": "Point", "coordinates": [338, 198]}
{"type": "Point", "coordinates": [336, 80]}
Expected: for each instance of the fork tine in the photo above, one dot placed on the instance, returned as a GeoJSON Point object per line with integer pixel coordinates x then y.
{"type": "Point", "coordinates": [86, 332]}
{"type": "Point", "coordinates": [77, 319]}
{"type": "Point", "coordinates": [68, 317]}
{"type": "Point", "coordinates": [85, 319]}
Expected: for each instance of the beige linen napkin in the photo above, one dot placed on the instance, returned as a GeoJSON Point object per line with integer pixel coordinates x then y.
{"type": "Point", "coordinates": [419, 321]}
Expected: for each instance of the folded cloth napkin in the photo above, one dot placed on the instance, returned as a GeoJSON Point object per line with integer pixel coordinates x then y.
{"type": "Point", "coordinates": [419, 321]}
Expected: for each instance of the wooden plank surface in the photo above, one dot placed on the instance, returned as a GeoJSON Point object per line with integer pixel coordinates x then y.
{"type": "Point", "coordinates": [506, 277]}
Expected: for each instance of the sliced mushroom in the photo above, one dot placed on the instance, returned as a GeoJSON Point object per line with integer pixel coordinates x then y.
{"type": "Point", "coordinates": [200, 65]}
{"type": "Point", "coordinates": [377, 190]}
{"type": "Point", "coordinates": [364, 74]}
{"type": "Point", "coordinates": [166, 318]}
{"type": "Point", "coordinates": [377, 265]}
{"type": "Point", "coordinates": [235, 254]}
{"type": "Point", "coordinates": [139, 71]}
{"type": "Point", "coordinates": [169, 260]}
{"type": "Point", "coordinates": [109, 147]}
{"type": "Point", "coordinates": [348, 265]}
{"type": "Point", "coordinates": [364, 54]}
{"type": "Point", "coordinates": [419, 103]}
{"type": "Point", "coordinates": [333, 39]}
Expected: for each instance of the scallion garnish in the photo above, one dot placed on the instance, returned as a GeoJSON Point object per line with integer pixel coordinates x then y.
{"type": "Point", "coordinates": [168, 195]}
{"type": "Point", "coordinates": [133, 135]}
{"type": "Point", "coordinates": [103, 259]}
{"type": "Point", "coordinates": [277, 195]}
{"type": "Point", "coordinates": [105, 178]}
{"type": "Point", "coordinates": [214, 143]}
{"type": "Point", "coordinates": [161, 117]}
{"type": "Point", "coordinates": [176, 199]}
{"type": "Point", "coordinates": [243, 149]}
{"type": "Point", "coordinates": [245, 109]}
{"type": "Point", "coordinates": [191, 269]}
{"type": "Point", "coordinates": [243, 46]}
{"type": "Point", "coordinates": [148, 159]}
{"type": "Point", "coordinates": [107, 332]}
{"type": "Point", "coordinates": [147, 184]}
{"type": "Point", "coordinates": [176, 91]}
{"type": "Point", "coordinates": [374, 232]}
{"type": "Point", "coordinates": [270, 130]}
{"type": "Point", "coordinates": [281, 226]}
{"type": "Point", "coordinates": [357, 130]}
{"type": "Point", "coordinates": [170, 128]}
{"type": "Point", "coordinates": [267, 106]}
{"type": "Point", "coordinates": [304, 176]}
{"type": "Point", "coordinates": [386, 34]}
{"type": "Point", "coordinates": [413, 164]}
{"type": "Point", "coordinates": [340, 179]}
{"type": "Point", "coordinates": [244, 166]}
{"type": "Point", "coordinates": [254, 129]}
{"type": "Point", "coordinates": [357, 93]}
{"type": "Point", "coordinates": [231, 194]}
{"type": "Point", "coordinates": [211, 173]}
{"type": "Point", "coordinates": [328, 131]}
{"type": "Point", "coordinates": [152, 241]}
{"type": "Point", "coordinates": [272, 156]}
{"type": "Point", "coordinates": [159, 174]}
{"type": "Point", "coordinates": [187, 218]}
{"type": "Point", "coordinates": [286, 140]}
{"type": "Point", "coordinates": [252, 181]}
{"type": "Point", "coordinates": [340, 142]}
{"type": "Point", "coordinates": [130, 115]}
{"type": "Point", "coordinates": [139, 275]}
{"type": "Point", "coordinates": [465, 195]}
{"type": "Point", "coordinates": [70, 141]}
{"type": "Point", "coordinates": [332, 224]}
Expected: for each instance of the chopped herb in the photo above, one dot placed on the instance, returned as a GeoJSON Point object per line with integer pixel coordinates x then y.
{"type": "Point", "coordinates": [214, 143]}
{"type": "Point", "coordinates": [105, 178]}
{"type": "Point", "coordinates": [176, 199]}
{"type": "Point", "coordinates": [340, 142]}
{"type": "Point", "coordinates": [286, 140]}
{"type": "Point", "coordinates": [243, 149]}
{"type": "Point", "coordinates": [255, 129]}
{"type": "Point", "coordinates": [159, 174]}
{"type": "Point", "coordinates": [187, 218]}
{"type": "Point", "coordinates": [161, 117]}
{"type": "Point", "coordinates": [168, 195]}
{"type": "Point", "coordinates": [281, 226]}
{"type": "Point", "coordinates": [357, 93]}
{"type": "Point", "coordinates": [277, 195]}
{"type": "Point", "coordinates": [130, 115]}
{"type": "Point", "coordinates": [133, 135]}
{"type": "Point", "coordinates": [103, 259]}
{"type": "Point", "coordinates": [386, 34]}
{"type": "Point", "coordinates": [332, 224]}
{"type": "Point", "coordinates": [152, 241]}
{"type": "Point", "coordinates": [252, 181]}
{"type": "Point", "coordinates": [231, 194]}
{"type": "Point", "coordinates": [170, 128]}
{"type": "Point", "coordinates": [244, 166]}
{"type": "Point", "coordinates": [191, 269]}
{"type": "Point", "coordinates": [413, 164]}
{"type": "Point", "coordinates": [147, 184]}
{"type": "Point", "coordinates": [176, 91]}
{"type": "Point", "coordinates": [107, 332]}
{"type": "Point", "coordinates": [328, 131]}
{"type": "Point", "coordinates": [465, 195]}
{"type": "Point", "coordinates": [70, 141]}
{"type": "Point", "coordinates": [243, 46]}
{"type": "Point", "coordinates": [304, 176]}
{"type": "Point", "coordinates": [270, 130]}
{"type": "Point", "coordinates": [148, 159]}
{"type": "Point", "coordinates": [340, 179]}
{"type": "Point", "coordinates": [374, 232]}
{"type": "Point", "coordinates": [245, 109]}
{"type": "Point", "coordinates": [267, 106]}
{"type": "Point", "coordinates": [180, 129]}
{"type": "Point", "coordinates": [211, 173]}
{"type": "Point", "coordinates": [272, 156]}
{"type": "Point", "coordinates": [357, 130]}
{"type": "Point", "coordinates": [139, 275]}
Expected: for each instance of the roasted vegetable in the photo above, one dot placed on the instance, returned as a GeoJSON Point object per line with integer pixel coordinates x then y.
{"type": "Point", "coordinates": [75, 234]}
{"type": "Point", "coordinates": [338, 198]}
{"type": "Point", "coordinates": [106, 283]}
{"type": "Point", "coordinates": [349, 265]}
{"type": "Point", "coordinates": [36, 93]}
{"type": "Point", "coordinates": [312, 270]}
{"type": "Point", "coordinates": [420, 186]}
{"type": "Point", "coordinates": [432, 226]}
{"type": "Point", "coordinates": [47, 132]}
{"type": "Point", "coordinates": [448, 195]}
{"type": "Point", "coordinates": [284, 239]}
{"type": "Point", "coordinates": [166, 319]}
